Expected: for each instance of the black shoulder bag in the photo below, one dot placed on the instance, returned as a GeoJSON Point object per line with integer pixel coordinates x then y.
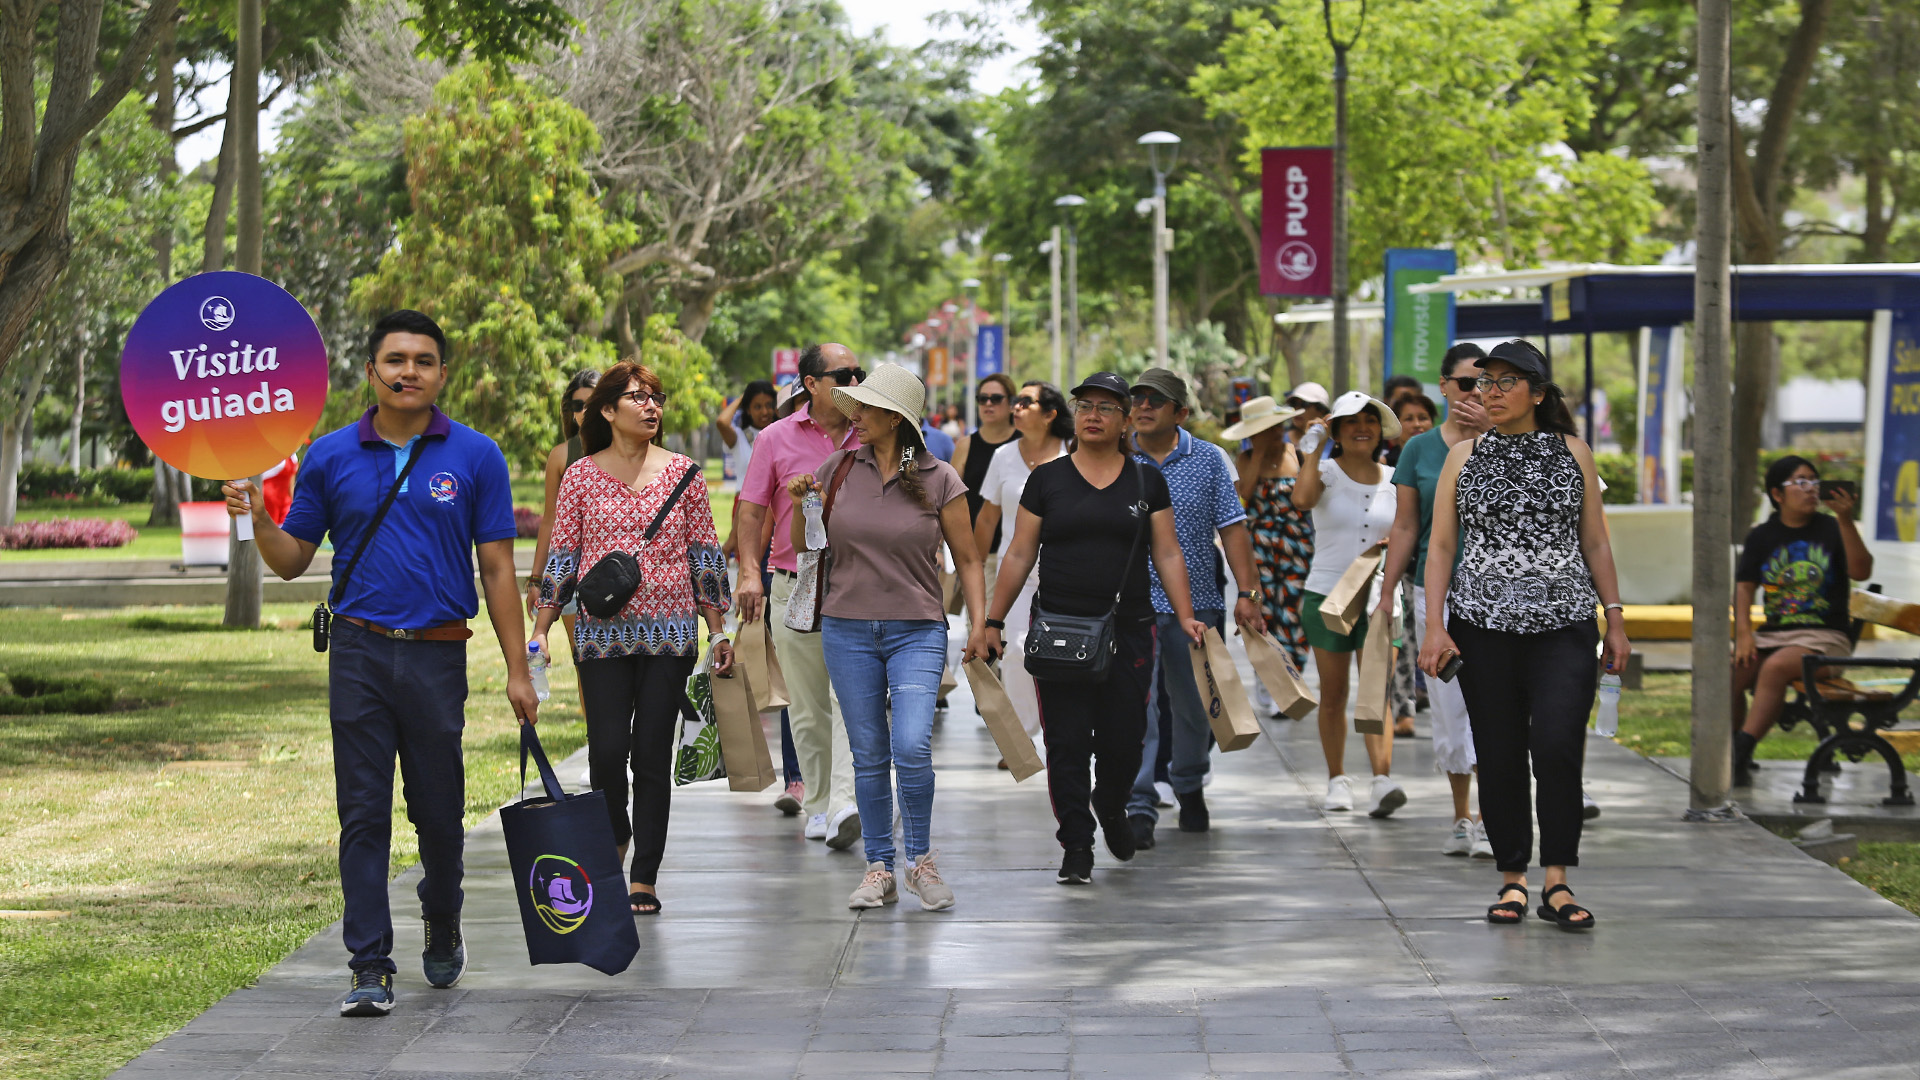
{"type": "Point", "coordinates": [1081, 648]}
{"type": "Point", "coordinates": [606, 588]}
{"type": "Point", "coordinates": [323, 611]}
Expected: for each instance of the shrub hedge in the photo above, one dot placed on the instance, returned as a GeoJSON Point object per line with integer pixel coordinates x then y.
{"type": "Point", "coordinates": [39, 480]}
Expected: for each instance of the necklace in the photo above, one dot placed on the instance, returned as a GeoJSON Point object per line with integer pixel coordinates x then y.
{"type": "Point", "coordinates": [1034, 459]}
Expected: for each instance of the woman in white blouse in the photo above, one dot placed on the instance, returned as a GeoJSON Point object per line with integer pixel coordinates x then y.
{"type": "Point", "coordinates": [1043, 425]}
{"type": "Point", "coordinates": [1353, 502]}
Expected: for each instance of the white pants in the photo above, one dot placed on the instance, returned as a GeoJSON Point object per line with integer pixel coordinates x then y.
{"type": "Point", "coordinates": [1452, 732]}
{"type": "Point", "coordinates": [1013, 667]}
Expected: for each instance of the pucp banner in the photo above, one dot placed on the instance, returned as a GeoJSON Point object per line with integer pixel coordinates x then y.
{"type": "Point", "coordinates": [1892, 489]}
{"type": "Point", "coordinates": [1296, 221]}
{"type": "Point", "coordinates": [1419, 325]}
{"type": "Point", "coordinates": [989, 352]}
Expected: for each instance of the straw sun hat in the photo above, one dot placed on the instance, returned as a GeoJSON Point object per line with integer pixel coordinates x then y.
{"type": "Point", "coordinates": [889, 387]}
{"type": "Point", "coordinates": [1257, 415]}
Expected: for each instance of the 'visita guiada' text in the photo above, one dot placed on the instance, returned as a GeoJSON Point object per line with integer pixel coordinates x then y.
{"type": "Point", "coordinates": [202, 364]}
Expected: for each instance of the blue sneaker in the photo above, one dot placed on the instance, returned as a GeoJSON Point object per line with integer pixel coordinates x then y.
{"type": "Point", "coordinates": [446, 957]}
{"type": "Point", "coordinates": [372, 995]}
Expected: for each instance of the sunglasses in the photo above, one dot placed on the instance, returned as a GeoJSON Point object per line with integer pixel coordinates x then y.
{"type": "Point", "coordinates": [641, 397]}
{"type": "Point", "coordinates": [576, 405]}
{"type": "Point", "coordinates": [846, 376]}
{"type": "Point", "coordinates": [1025, 401]}
{"type": "Point", "coordinates": [990, 399]}
{"type": "Point", "coordinates": [1467, 383]}
{"type": "Point", "coordinates": [1151, 399]}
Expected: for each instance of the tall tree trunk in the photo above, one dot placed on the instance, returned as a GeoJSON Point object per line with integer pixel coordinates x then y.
{"type": "Point", "coordinates": [16, 428]}
{"type": "Point", "coordinates": [1756, 355]}
{"type": "Point", "coordinates": [696, 312]}
{"type": "Point", "coordinates": [214, 255]}
{"type": "Point", "coordinates": [79, 409]}
{"type": "Point", "coordinates": [244, 570]}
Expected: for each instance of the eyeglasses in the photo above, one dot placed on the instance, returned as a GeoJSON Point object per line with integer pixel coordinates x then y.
{"type": "Point", "coordinates": [1506, 383]}
{"type": "Point", "coordinates": [641, 397]}
{"type": "Point", "coordinates": [1467, 383]}
{"type": "Point", "coordinates": [1150, 398]}
{"type": "Point", "coordinates": [576, 405]}
{"type": "Point", "coordinates": [1024, 401]}
{"type": "Point", "coordinates": [1801, 482]}
{"type": "Point", "coordinates": [1083, 407]}
{"type": "Point", "coordinates": [846, 376]}
{"type": "Point", "coordinates": [990, 399]}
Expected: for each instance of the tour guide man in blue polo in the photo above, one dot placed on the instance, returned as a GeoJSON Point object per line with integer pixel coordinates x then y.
{"type": "Point", "coordinates": [397, 667]}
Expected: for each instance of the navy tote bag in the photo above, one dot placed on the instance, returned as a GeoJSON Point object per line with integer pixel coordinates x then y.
{"type": "Point", "coordinates": [566, 870]}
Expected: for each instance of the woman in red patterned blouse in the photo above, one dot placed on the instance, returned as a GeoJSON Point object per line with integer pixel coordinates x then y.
{"type": "Point", "coordinates": [633, 667]}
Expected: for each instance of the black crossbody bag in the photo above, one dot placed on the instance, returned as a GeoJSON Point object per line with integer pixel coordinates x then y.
{"type": "Point", "coordinates": [323, 611]}
{"type": "Point", "coordinates": [1081, 648]}
{"type": "Point", "coordinates": [606, 588]}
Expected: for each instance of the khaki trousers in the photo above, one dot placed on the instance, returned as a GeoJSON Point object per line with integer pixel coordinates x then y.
{"type": "Point", "coordinates": [819, 733]}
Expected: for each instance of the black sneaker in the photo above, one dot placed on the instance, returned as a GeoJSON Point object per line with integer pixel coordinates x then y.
{"type": "Point", "coordinates": [372, 995]}
{"type": "Point", "coordinates": [1142, 827]}
{"type": "Point", "coordinates": [1119, 835]}
{"type": "Point", "coordinates": [1193, 811]}
{"type": "Point", "coordinates": [446, 957]}
{"type": "Point", "coordinates": [1077, 867]}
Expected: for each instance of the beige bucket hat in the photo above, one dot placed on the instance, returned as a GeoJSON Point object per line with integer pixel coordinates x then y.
{"type": "Point", "coordinates": [1355, 402]}
{"type": "Point", "coordinates": [888, 386]}
{"type": "Point", "coordinates": [1257, 415]}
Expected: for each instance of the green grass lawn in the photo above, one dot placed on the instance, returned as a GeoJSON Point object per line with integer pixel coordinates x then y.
{"type": "Point", "coordinates": [189, 833]}
{"type": "Point", "coordinates": [1657, 721]}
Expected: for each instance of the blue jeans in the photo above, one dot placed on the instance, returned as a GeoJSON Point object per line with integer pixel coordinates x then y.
{"type": "Point", "coordinates": [1192, 733]}
{"type": "Point", "coordinates": [874, 663]}
{"type": "Point", "coordinates": [407, 699]}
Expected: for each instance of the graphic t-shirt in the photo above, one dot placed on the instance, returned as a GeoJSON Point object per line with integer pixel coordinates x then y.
{"type": "Point", "coordinates": [1085, 534]}
{"type": "Point", "coordinates": [1802, 574]}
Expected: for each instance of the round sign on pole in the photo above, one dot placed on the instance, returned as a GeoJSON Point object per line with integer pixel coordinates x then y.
{"type": "Point", "coordinates": [223, 376]}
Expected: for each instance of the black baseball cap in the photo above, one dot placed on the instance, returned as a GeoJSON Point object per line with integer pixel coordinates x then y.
{"type": "Point", "coordinates": [1105, 380]}
{"type": "Point", "coordinates": [1521, 353]}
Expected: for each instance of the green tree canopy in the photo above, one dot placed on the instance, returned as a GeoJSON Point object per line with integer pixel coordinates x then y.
{"type": "Point", "coordinates": [506, 246]}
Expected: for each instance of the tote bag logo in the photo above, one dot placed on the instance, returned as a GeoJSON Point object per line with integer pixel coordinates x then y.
{"type": "Point", "coordinates": [562, 893]}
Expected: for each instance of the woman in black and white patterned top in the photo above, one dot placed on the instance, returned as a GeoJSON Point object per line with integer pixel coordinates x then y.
{"type": "Point", "coordinates": [1520, 506]}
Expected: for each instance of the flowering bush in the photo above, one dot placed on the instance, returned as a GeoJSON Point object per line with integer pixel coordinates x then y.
{"type": "Point", "coordinates": [67, 533]}
{"type": "Point", "coordinates": [526, 520]}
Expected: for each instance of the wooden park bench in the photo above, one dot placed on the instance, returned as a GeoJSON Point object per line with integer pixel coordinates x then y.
{"type": "Point", "coordinates": [1831, 703]}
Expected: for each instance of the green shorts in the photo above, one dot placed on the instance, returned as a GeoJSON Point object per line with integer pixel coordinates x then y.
{"type": "Point", "coordinates": [1322, 637]}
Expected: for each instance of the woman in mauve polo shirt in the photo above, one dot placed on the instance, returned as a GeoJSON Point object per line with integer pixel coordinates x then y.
{"type": "Point", "coordinates": [882, 620]}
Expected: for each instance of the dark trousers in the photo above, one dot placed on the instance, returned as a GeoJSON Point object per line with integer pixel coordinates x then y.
{"type": "Point", "coordinates": [1094, 733]}
{"type": "Point", "coordinates": [1528, 696]}
{"type": "Point", "coordinates": [789, 761]}
{"type": "Point", "coordinates": [389, 699]}
{"type": "Point", "coordinates": [632, 703]}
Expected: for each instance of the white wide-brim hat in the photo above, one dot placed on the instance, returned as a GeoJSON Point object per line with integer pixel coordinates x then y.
{"type": "Point", "coordinates": [1257, 415]}
{"type": "Point", "coordinates": [888, 386]}
{"type": "Point", "coordinates": [1355, 402]}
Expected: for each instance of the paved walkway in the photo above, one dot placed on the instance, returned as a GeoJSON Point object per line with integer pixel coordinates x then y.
{"type": "Point", "coordinates": [1283, 942]}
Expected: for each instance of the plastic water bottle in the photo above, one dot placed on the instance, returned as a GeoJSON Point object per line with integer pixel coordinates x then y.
{"type": "Point", "coordinates": [810, 505]}
{"type": "Point", "coordinates": [1607, 724]}
{"type": "Point", "coordinates": [537, 664]}
{"type": "Point", "coordinates": [1310, 442]}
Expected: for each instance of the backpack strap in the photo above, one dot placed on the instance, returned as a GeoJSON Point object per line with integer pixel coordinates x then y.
{"type": "Point", "coordinates": [833, 486]}
{"type": "Point", "coordinates": [1139, 534]}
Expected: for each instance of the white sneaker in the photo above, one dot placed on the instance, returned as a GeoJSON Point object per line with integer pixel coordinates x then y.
{"type": "Point", "coordinates": [1339, 794]}
{"type": "Point", "coordinates": [816, 827]}
{"type": "Point", "coordinates": [843, 828]}
{"type": "Point", "coordinates": [1386, 795]}
{"type": "Point", "coordinates": [923, 881]}
{"type": "Point", "coordinates": [1162, 795]}
{"type": "Point", "coordinates": [875, 889]}
{"type": "Point", "coordinates": [1588, 808]}
{"type": "Point", "coordinates": [1460, 840]}
{"type": "Point", "coordinates": [1261, 699]}
{"type": "Point", "coordinates": [1482, 848]}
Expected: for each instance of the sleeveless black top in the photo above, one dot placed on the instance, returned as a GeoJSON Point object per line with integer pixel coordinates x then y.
{"type": "Point", "coordinates": [979, 456]}
{"type": "Point", "coordinates": [575, 450]}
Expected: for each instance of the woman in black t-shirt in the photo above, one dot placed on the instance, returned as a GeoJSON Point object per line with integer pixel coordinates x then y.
{"type": "Point", "coordinates": [1807, 562]}
{"type": "Point", "coordinates": [1078, 516]}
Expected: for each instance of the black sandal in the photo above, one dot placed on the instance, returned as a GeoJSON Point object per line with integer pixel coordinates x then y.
{"type": "Point", "coordinates": [644, 903]}
{"type": "Point", "coordinates": [1509, 912]}
{"type": "Point", "coordinates": [1563, 916]}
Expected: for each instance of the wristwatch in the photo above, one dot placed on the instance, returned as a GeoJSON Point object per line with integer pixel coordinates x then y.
{"type": "Point", "coordinates": [1244, 594]}
{"type": "Point", "coordinates": [997, 624]}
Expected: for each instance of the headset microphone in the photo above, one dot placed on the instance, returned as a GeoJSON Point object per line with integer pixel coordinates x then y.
{"type": "Point", "coordinates": [397, 386]}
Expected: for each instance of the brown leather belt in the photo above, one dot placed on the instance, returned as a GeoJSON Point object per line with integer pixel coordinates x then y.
{"type": "Point", "coordinates": [454, 630]}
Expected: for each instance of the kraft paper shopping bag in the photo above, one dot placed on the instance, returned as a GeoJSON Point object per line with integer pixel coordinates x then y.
{"type": "Point", "coordinates": [753, 648]}
{"type": "Point", "coordinates": [1009, 734]}
{"type": "Point", "coordinates": [1277, 673]}
{"type": "Point", "coordinates": [1344, 606]}
{"type": "Point", "coordinates": [1228, 709]}
{"type": "Point", "coordinates": [743, 742]}
{"type": "Point", "coordinates": [1370, 694]}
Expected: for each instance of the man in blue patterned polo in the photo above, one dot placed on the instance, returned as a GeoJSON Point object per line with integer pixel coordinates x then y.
{"type": "Point", "coordinates": [1204, 503]}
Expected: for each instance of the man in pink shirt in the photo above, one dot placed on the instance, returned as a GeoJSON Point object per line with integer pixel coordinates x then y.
{"type": "Point", "coordinates": [795, 444]}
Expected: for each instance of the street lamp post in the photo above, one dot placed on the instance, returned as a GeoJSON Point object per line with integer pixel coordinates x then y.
{"type": "Point", "coordinates": [946, 396]}
{"type": "Point", "coordinates": [973, 356]}
{"type": "Point", "coordinates": [1342, 356]}
{"type": "Point", "coordinates": [1069, 204]}
{"type": "Point", "coordinates": [1155, 142]}
{"type": "Point", "coordinates": [1052, 251]}
{"type": "Point", "coordinates": [1005, 262]}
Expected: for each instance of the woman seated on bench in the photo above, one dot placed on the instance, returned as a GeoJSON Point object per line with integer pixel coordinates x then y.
{"type": "Point", "coordinates": [1806, 561]}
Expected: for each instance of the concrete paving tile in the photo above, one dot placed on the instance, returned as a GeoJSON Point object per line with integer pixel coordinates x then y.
{"type": "Point", "coordinates": [160, 1060]}
{"type": "Point", "coordinates": [1183, 1024]}
{"type": "Point", "coordinates": [1356, 1022]}
{"type": "Point", "coordinates": [1003, 1074]}
{"type": "Point", "coordinates": [1271, 1063]}
{"type": "Point", "coordinates": [1143, 1066]}
{"type": "Point", "coordinates": [1372, 1061]}
{"type": "Point", "coordinates": [477, 1042]}
{"type": "Point", "coordinates": [1299, 1043]}
{"type": "Point", "coordinates": [1490, 1044]}
{"type": "Point", "coordinates": [709, 1024]}
{"type": "Point", "coordinates": [1057, 1043]}
{"type": "Point", "coordinates": [468, 1064]}
{"type": "Point", "coordinates": [952, 1060]}
{"type": "Point", "coordinates": [867, 1041]}
{"type": "Point", "coordinates": [880, 1025]}
{"type": "Point", "coordinates": [1546, 1062]}
{"type": "Point", "coordinates": [738, 1063]}
{"type": "Point", "coordinates": [843, 1063]}
{"type": "Point", "coordinates": [1006, 1025]}
{"type": "Point", "coordinates": [549, 1063]}
{"type": "Point", "coordinates": [1405, 1040]}
{"type": "Point", "coordinates": [768, 1042]}
{"type": "Point", "coordinates": [1136, 1044]}
{"type": "Point", "coordinates": [570, 1041]}
{"type": "Point", "coordinates": [961, 1010]}
{"type": "Point", "coordinates": [601, 1024]}
{"type": "Point", "coordinates": [1266, 1025]}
